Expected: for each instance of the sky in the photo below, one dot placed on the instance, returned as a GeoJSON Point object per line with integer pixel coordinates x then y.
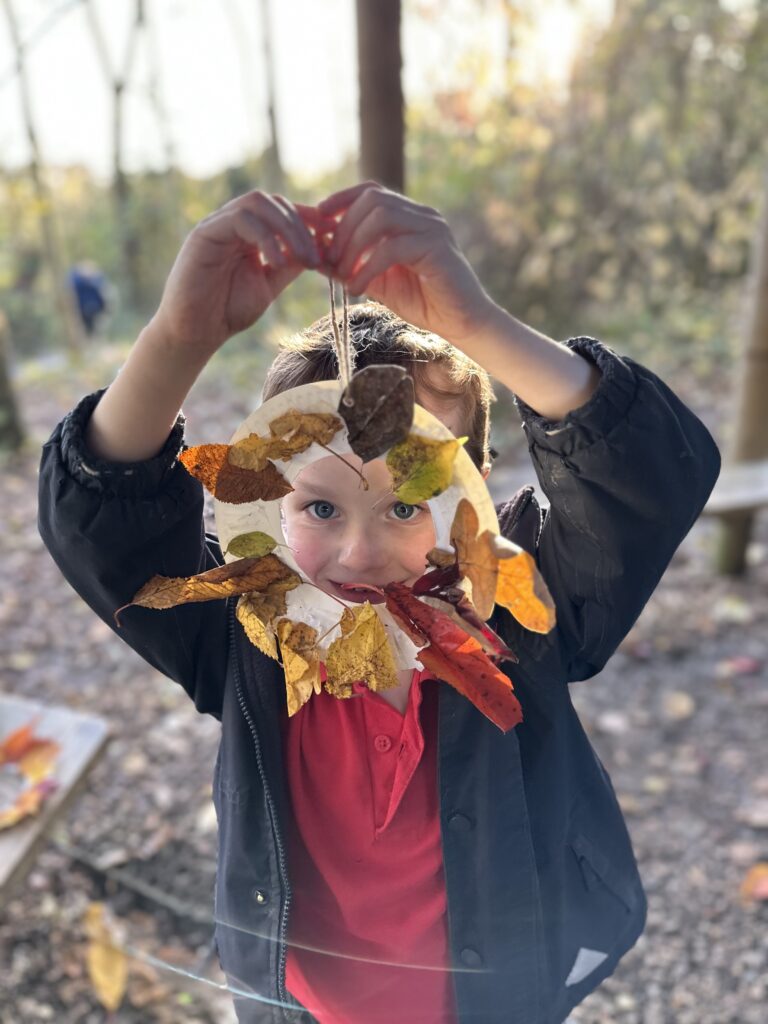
{"type": "Point", "coordinates": [208, 72]}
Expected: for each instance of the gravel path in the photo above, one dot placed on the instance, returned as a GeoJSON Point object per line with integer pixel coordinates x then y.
{"type": "Point", "coordinates": [678, 717]}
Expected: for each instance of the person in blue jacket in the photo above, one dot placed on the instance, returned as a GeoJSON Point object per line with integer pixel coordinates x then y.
{"type": "Point", "coordinates": [543, 891]}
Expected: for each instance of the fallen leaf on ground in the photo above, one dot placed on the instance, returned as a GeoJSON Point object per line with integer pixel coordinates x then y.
{"type": "Point", "coordinates": [754, 887]}
{"type": "Point", "coordinates": [106, 962]}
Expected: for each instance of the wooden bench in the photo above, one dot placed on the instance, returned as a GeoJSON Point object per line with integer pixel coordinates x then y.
{"type": "Point", "coordinates": [741, 487]}
{"type": "Point", "coordinates": [83, 739]}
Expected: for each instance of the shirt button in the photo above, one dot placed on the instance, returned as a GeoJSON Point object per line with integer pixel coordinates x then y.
{"type": "Point", "coordinates": [471, 957]}
{"type": "Point", "coordinates": [459, 823]}
{"type": "Point", "coordinates": [382, 743]}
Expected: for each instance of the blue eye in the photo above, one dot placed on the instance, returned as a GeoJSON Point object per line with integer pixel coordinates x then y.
{"type": "Point", "coordinates": [409, 509]}
{"type": "Point", "coordinates": [325, 504]}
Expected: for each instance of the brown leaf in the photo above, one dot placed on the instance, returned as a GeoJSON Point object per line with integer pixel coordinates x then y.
{"type": "Point", "coordinates": [298, 430]}
{"type": "Point", "coordinates": [228, 580]}
{"type": "Point", "coordinates": [377, 408]}
{"type": "Point", "coordinates": [209, 463]}
{"type": "Point", "coordinates": [476, 557]}
{"type": "Point", "coordinates": [361, 654]}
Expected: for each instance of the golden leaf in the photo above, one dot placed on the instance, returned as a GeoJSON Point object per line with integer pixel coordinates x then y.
{"type": "Point", "coordinates": [301, 429]}
{"type": "Point", "coordinates": [253, 452]}
{"type": "Point", "coordinates": [422, 467]}
{"type": "Point", "coordinates": [522, 591]}
{"type": "Point", "coordinates": [476, 557]}
{"type": "Point", "coordinates": [301, 663]}
{"type": "Point", "coordinates": [37, 764]}
{"type": "Point", "coordinates": [107, 965]}
{"type": "Point", "coordinates": [258, 611]}
{"type": "Point", "coordinates": [251, 545]}
{"type": "Point", "coordinates": [209, 463]}
{"type": "Point", "coordinates": [361, 654]}
{"type": "Point", "coordinates": [228, 580]}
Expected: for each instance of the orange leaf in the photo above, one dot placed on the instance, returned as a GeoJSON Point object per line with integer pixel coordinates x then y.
{"type": "Point", "coordinates": [754, 888]}
{"type": "Point", "coordinates": [19, 742]}
{"type": "Point", "coordinates": [476, 557]}
{"type": "Point", "coordinates": [522, 591]}
{"type": "Point", "coordinates": [209, 463]}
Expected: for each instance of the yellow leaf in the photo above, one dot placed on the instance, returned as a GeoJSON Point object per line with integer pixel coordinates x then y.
{"type": "Point", "coordinates": [228, 580]}
{"type": "Point", "coordinates": [422, 467]}
{"type": "Point", "coordinates": [38, 763]}
{"type": "Point", "coordinates": [251, 545]}
{"type": "Point", "coordinates": [522, 591]}
{"type": "Point", "coordinates": [301, 663]}
{"type": "Point", "coordinates": [257, 613]}
{"type": "Point", "coordinates": [361, 654]}
{"type": "Point", "coordinates": [107, 965]}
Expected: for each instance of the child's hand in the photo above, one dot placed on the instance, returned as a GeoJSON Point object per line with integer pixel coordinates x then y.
{"type": "Point", "coordinates": [218, 285]}
{"type": "Point", "coordinates": [415, 266]}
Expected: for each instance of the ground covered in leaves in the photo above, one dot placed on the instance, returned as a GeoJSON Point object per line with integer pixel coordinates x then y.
{"type": "Point", "coordinates": [678, 717]}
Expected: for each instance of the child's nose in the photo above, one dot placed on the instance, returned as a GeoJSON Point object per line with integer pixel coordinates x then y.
{"type": "Point", "coordinates": [362, 551]}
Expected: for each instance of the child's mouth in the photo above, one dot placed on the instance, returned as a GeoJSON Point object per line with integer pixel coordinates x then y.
{"type": "Point", "coordinates": [357, 592]}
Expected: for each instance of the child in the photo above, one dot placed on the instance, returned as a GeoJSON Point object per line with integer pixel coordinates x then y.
{"type": "Point", "coordinates": [403, 859]}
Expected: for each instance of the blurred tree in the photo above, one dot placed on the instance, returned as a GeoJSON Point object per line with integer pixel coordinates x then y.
{"type": "Point", "coordinates": [44, 203]}
{"type": "Point", "coordinates": [275, 176]}
{"type": "Point", "coordinates": [117, 81]}
{"type": "Point", "coordinates": [382, 125]}
{"type": "Point", "coordinates": [750, 436]}
{"type": "Point", "coordinates": [11, 430]}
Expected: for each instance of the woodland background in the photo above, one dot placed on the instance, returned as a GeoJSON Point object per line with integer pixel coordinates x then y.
{"type": "Point", "coordinates": [627, 206]}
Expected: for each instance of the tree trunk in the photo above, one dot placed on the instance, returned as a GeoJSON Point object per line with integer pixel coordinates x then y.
{"type": "Point", "coordinates": [63, 300]}
{"type": "Point", "coordinates": [750, 438]}
{"type": "Point", "coordinates": [275, 175]}
{"type": "Point", "coordinates": [382, 124]}
{"type": "Point", "coordinates": [121, 189]}
{"type": "Point", "coordinates": [11, 429]}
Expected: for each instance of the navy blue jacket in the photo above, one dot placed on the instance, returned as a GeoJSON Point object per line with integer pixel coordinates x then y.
{"type": "Point", "coordinates": [544, 894]}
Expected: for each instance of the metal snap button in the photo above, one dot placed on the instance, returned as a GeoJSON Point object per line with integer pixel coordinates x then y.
{"type": "Point", "coordinates": [260, 896]}
{"type": "Point", "coordinates": [471, 957]}
{"type": "Point", "coordinates": [459, 823]}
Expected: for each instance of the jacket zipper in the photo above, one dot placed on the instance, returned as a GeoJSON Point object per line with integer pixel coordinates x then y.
{"type": "Point", "coordinates": [282, 945]}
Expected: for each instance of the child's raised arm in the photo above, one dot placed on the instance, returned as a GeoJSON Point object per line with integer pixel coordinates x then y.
{"type": "Point", "coordinates": [230, 269]}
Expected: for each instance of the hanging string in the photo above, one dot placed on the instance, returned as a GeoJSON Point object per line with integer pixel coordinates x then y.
{"type": "Point", "coordinates": [344, 354]}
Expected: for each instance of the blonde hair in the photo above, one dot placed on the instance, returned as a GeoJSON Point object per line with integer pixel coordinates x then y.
{"type": "Point", "coordinates": [378, 335]}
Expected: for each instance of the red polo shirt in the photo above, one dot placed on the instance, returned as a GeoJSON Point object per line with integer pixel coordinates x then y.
{"type": "Point", "coordinates": [368, 931]}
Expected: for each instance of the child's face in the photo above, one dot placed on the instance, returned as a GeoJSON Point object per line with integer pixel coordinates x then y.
{"type": "Point", "coordinates": [341, 533]}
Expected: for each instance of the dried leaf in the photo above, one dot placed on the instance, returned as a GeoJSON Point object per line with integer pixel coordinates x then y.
{"type": "Point", "coordinates": [361, 654]}
{"type": "Point", "coordinates": [27, 802]}
{"type": "Point", "coordinates": [754, 887]}
{"type": "Point", "coordinates": [441, 559]}
{"type": "Point", "coordinates": [301, 663]}
{"type": "Point", "coordinates": [291, 433]}
{"type": "Point", "coordinates": [209, 463]}
{"type": "Point", "coordinates": [258, 611]}
{"type": "Point", "coordinates": [251, 545]}
{"type": "Point", "coordinates": [476, 557]}
{"type": "Point", "coordinates": [522, 591]}
{"type": "Point", "coordinates": [380, 413]}
{"type": "Point", "coordinates": [456, 657]}
{"type": "Point", "coordinates": [107, 964]}
{"type": "Point", "coordinates": [38, 763]}
{"type": "Point", "coordinates": [234, 578]}
{"type": "Point", "coordinates": [422, 467]}
{"type": "Point", "coordinates": [20, 742]}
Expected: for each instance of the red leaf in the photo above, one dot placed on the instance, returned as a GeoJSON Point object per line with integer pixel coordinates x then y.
{"type": "Point", "coordinates": [456, 657]}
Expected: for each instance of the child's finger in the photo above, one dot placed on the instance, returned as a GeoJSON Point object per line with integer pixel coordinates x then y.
{"type": "Point", "coordinates": [309, 248]}
{"type": "Point", "coordinates": [280, 221]}
{"type": "Point", "coordinates": [399, 250]}
{"type": "Point", "coordinates": [340, 201]}
{"type": "Point", "coordinates": [241, 223]}
{"type": "Point", "coordinates": [376, 224]}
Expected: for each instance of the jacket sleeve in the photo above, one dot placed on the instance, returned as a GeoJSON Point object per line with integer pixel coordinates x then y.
{"type": "Point", "coordinates": [626, 474]}
{"type": "Point", "coordinates": [111, 526]}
